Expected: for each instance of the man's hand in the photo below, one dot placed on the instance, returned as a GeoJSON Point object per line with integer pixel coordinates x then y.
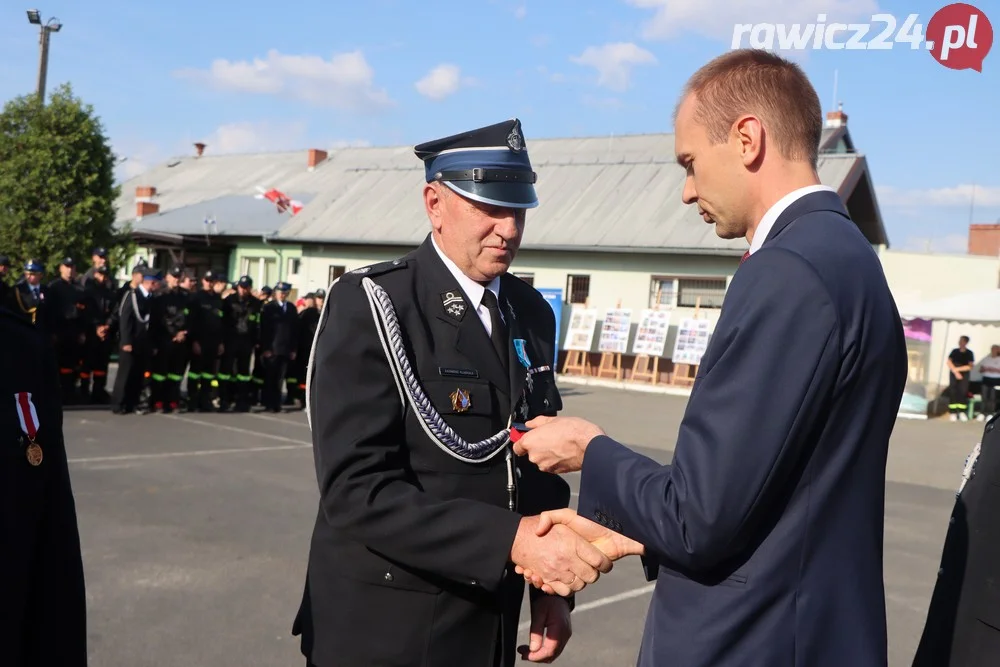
{"type": "Point", "coordinates": [557, 444]}
{"type": "Point", "coordinates": [550, 630]}
{"type": "Point", "coordinates": [613, 545]}
{"type": "Point", "coordinates": [562, 559]}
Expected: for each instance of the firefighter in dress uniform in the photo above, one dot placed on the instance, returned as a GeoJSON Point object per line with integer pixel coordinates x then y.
{"type": "Point", "coordinates": [70, 323]}
{"type": "Point", "coordinates": [421, 366]}
{"type": "Point", "coordinates": [256, 391]}
{"type": "Point", "coordinates": [28, 295]}
{"type": "Point", "coordinates": [308, 321]}
{"type": "Point", "coordinates": [168, 331]}
{"type": "Point", "coordinates": [41, 565]}
{"type": "Point", "coordinates": [207, 345]}
{"type": "Point", "coordinates": [279, 335]}
{"type": "Point", "coordinates": [101, 335]}
{"type": "Point", "coordinates": [962, 627]}
{"type": "Point", "coordinates": [135, 349]}
{"type": "Point", "coordinates": [242, 314]}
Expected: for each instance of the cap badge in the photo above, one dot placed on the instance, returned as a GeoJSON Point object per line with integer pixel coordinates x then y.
{"type": "Point", "coordinates": [515, 140]}
{"type": "Point", "coordinates": [453, 304]}
{"type": "Point", "coordinates": [460, 400]}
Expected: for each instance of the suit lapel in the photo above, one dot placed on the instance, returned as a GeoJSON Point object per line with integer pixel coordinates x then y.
{"type": "Point", "coordinates": [451, 305]}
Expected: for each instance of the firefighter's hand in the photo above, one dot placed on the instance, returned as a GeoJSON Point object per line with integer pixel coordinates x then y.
{"type": "Point", "coordinates": [291, 357]}
{"type": "Point", "coordinates": [196, 348]}
{"type": "Point", "coordinates": [222, 348]}
{"type": "Point", "coordinates": [266, 354]}
{"type": "Point", "coordinates": [126, 348]}
{"type": "Point", "coordinates": [181, 335]}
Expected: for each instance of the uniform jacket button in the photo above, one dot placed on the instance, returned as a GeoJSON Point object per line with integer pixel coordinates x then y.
{"type": "Point", "coordinates": [388, 576]}
{"type": "Point", "coordinates": [940, 571]}
{"type": "Point", "coordinates": [474, 582]}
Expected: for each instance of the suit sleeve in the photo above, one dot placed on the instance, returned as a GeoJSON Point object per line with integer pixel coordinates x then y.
{"type": "Point", "coordinates": [748, 426]}
{"type": "Point", "coordinates": [58, 601]}
{"type": "Point", "coordinates": [358, 441]}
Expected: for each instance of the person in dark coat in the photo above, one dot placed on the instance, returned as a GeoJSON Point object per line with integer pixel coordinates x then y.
{"type": "Point", "coordinates": [43, 611]}
{"type": "Point", "coordinates": [962, 627]}
{"type": "Point", "coordinates": [765, 532]}
{"type": "Point", "coordinates": [279, 342]}
{"type": "Point", "coordinates": [135, 346]}
{"type": "Point", "coordinates": [101, 336]}
{"type": "Point", "coordinates": [421, 365]}
{"type": "Point", "coordinates": [69, 323]}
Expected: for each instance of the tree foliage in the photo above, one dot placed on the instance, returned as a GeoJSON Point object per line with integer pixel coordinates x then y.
{"type": "Point", "coordinates": [57, 184]}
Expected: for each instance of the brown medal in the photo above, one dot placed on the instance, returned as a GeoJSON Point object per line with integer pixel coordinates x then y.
{"type": "Point", "coordinates": [34, 454]}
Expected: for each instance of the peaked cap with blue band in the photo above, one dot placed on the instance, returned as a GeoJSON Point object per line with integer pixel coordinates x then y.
{"type": "Point", "coordinates": [488, 165]}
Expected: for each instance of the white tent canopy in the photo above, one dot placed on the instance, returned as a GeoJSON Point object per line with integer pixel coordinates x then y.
{"type": "Point", "coordinates": [979, 307]}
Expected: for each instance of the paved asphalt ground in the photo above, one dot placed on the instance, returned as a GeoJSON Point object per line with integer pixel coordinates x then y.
{"type": "Point", "coordinates": [196, 527]}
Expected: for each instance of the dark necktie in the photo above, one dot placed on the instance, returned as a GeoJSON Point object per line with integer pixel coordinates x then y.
{"type": "Point", "coordinates": [498, 331]}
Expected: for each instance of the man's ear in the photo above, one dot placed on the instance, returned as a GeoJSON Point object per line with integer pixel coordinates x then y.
{"type": "Point", "coordinates": [434, 205]}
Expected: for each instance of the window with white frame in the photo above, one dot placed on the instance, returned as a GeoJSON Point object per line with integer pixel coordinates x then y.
{"type": "Point", "coordinates": [294, 263]}
{"type": "Point", "coordinates": [662, 292]}
{"type": "Point", "coordinates": [262, 270]}
{"type": "Point", "coordinates": [577, 289]}
{"type": "Point", "coordinates": [334, 273]}
{"type": "Point", "coordinates": [701, 292]}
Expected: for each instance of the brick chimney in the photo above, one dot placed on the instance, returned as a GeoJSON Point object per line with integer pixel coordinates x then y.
{"type": "Point", "coordinates": [200, 147]}
{"type": "Point", "coordinates": [836, 118]}
{"type": "Point", "coordinates": [146, 192]}
{"type": "Point", "coordinates": [984, 240]}
{"type": "Point", "coordinates": [143, 208]}
{"type": "Point", "coordinates": [315, 157]}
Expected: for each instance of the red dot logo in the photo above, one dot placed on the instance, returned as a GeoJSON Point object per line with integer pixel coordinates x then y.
{"type": "Point", "coordinates": [959, 36]}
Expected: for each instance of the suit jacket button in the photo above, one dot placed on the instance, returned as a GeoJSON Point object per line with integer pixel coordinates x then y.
{"type": "Point", "coordinates": [388, 576]}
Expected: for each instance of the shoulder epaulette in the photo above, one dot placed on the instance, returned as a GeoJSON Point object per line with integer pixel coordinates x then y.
{"type": "Point", "coordinates": [377, 269]}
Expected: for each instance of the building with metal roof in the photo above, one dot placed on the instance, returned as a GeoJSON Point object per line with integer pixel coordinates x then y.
{"type": "Point", "coordinates": [610, 231]}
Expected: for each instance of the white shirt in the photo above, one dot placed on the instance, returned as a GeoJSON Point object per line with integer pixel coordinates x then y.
{"type": "Point", "coordinates": [142, 288]}
{"type": "Point", "coordinates": [990, 367]}
{"type": "Point", "coordinates": [473, 289]}
{"type": "Point", "coordinates": [764, 228]}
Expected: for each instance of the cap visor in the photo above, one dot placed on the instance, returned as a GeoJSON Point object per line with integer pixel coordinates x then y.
{"type": "Point", "coordinates": [508, 195]}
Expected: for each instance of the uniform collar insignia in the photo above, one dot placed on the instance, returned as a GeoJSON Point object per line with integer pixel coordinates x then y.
{"type": "Point", "coordinates": [454, 304]}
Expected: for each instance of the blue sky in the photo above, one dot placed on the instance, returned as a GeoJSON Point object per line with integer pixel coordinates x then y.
{"type": "Point", "coordinates": [252, 76]}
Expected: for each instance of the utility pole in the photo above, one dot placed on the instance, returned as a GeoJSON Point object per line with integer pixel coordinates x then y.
{"type": "Point", "coordinates": [45, 29]}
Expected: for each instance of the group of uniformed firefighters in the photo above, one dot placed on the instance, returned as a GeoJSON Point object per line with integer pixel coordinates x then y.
{"type": "Point", "coordinates": [238, 346]}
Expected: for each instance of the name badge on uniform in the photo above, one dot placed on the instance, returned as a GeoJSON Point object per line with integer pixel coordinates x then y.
{"type": "Point", "coordinates": [28, 417]}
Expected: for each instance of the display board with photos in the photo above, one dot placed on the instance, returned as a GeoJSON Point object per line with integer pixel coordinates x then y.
{"type": "Point", "coordinates": [651, 335]}
{"type": "Point", "coordinates": [615, 331]}
{"type": "Point", "coordinates": [692, 341]}
{"type": "Point", "coordinates": [580, 333]}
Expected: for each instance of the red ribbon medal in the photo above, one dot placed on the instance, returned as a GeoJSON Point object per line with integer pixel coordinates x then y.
{"type": "Point", "coordinates": [29, 424]}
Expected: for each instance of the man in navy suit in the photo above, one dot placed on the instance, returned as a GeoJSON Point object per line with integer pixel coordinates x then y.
{"type": "Point", "coordinates": [764, 534]}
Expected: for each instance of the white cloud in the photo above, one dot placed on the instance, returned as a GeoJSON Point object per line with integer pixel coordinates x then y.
{"type": "Point", "coordinates": [614, 62]}
{"type": "Point", "coordinates": [249, 137]}
{"type": "Point", "coordinates": [958, 195]}
{"type": "Point", "coordinates": [520, 12]}
{"type": "Point", "coordinates": [345, 81]}
{"type": "Point", "coordinates": [442, 81]}
{"type": "Point", "coordinates": [717, 18]}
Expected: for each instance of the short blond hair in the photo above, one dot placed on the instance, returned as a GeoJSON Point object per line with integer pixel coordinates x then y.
{"type": "Point", "coordinates": [753, 81]}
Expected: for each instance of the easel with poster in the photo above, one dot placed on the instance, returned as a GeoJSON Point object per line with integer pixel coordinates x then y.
{"type": "Point", "coordinates": [689, 347]}
{"type": "Point", "coordinates": [579, 340]}
{"type": "Point", "coordinates": [650, 341]}
{"type": "Point", "coordinates": [614, 340]}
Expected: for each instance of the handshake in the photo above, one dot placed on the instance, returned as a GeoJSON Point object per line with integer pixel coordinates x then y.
{"type": "Point", "coordinates": [560, 551]}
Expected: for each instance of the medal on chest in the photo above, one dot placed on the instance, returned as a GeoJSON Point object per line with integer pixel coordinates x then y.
{"type": "Point", "coordinates": [28, 417]}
